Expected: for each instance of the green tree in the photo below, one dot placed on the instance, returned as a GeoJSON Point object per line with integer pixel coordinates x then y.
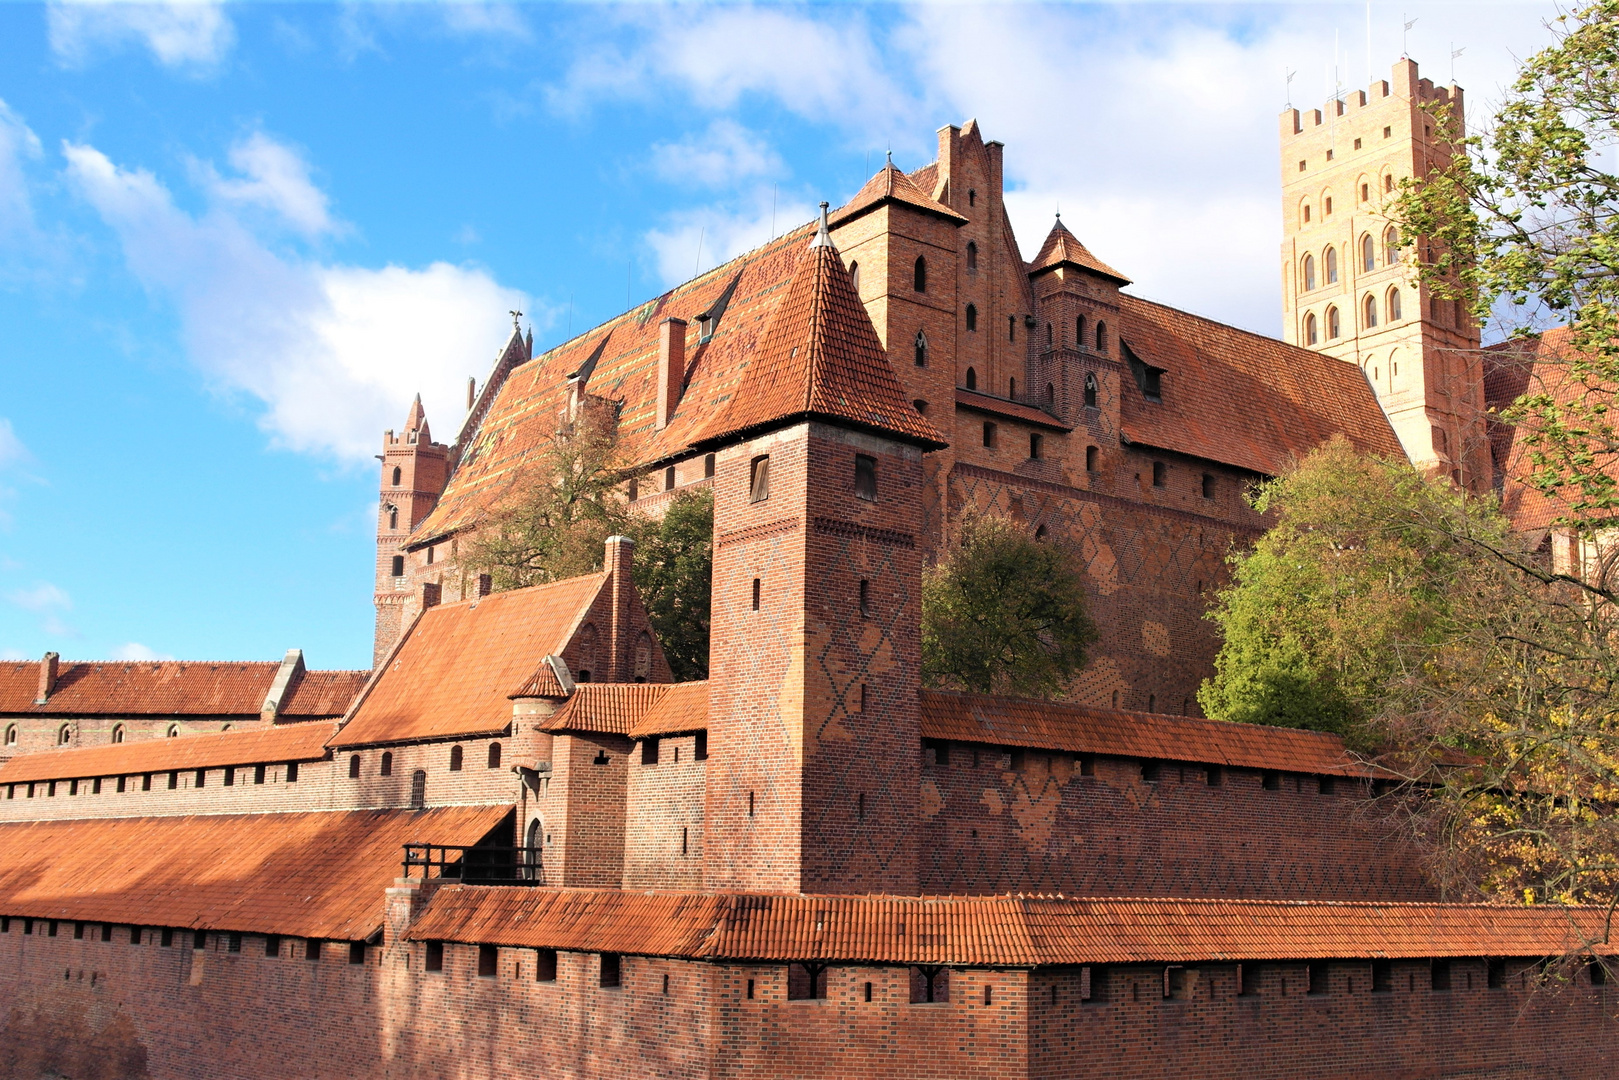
{"type": "Point", "coordinates": [1350, 589]}
{"type": "Point", "coordinates": [558, 512]}
{"type": "Point", "coordinates": [1523, 226]}
{"type": "Point", "coordinates": [1003, 613]}
{"type": "Point", "coordinates": [674, 571]}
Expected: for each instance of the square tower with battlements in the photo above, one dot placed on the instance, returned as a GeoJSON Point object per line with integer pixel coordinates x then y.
{"type": "Point", "coordinates": [1347, 290]}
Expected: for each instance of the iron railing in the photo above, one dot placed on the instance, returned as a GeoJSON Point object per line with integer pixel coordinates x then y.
{"type": "Point", "coordinates": [475, 865]}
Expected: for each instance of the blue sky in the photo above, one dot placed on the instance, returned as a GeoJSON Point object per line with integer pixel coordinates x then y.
{"type": "Point", "coordinates": [236, 239]}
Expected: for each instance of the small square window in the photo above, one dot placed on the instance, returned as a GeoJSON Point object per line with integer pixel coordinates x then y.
{"type": "Point", "coordinates": [1301, 166]}
{"type": "Point", "coordinates": [1387, 132]}
{"type": "Point", "coordinates": [435, 956]}
{"type": "Point", "coordinates": [611, 971]}
{"type": "Point", "coordinates": [1357, 144]}
{"type": "Point", "coordinates": [1036, 442]}
{"type": "Point", "coordinates": [759, 479]}
{"type": "Point", "coordinates": [1160, 474]}
{"type": "Point", "coordinates": [865, 477]}
{"type": "Point", "coordinates": [488, 956]}
{"type": "Point", "coordinates": [545, 965]}
{"type": "Point", "coordinates": [1329, 155]}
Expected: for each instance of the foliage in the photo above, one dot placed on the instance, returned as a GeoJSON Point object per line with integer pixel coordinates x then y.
{"type": "Point", "coordinates": [674, 569]}
{"type": "Point", "coordinates": [1346, 592]}
{"type": "Point", "coordinates": [554, 521]}
{"type": "Point", "coordinates": [1525, 223]}
{"type": "Point", "coordinates": [1003, 613]}
{"type": "Point", "coordinates": [1404, 613]}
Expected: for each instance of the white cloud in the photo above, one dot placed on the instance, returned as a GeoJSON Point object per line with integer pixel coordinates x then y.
{"type": "Point", "coordinates": [724, 231]}
{"type": "Point", "coordinates": [334, 352]}
{"type": "Point", "coordinates": [12, 450]}
{"type": "Point", "coordinates": [719, 157]}
{"type": "Point", "coordinates": [186, 34]}
{"type": "Point", "coordinates": [18, 144]}
{"type": "Point", "coordinates": [134, 650]}
{"type": "Point", "coordinates": [41, 597]}
{"type": "Point", "coordinates": [501, 20]}
{"type": "Point", "coordinates": [276, 178]}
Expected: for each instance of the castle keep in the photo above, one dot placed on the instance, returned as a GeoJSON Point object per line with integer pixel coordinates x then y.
{"type": "Point", "coordinates": [518, 848]}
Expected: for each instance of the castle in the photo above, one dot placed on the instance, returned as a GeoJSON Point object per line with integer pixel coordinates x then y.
{"type": "Point", "coordinates": [517, 847]}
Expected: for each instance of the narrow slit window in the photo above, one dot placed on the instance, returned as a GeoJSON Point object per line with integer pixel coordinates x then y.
{"type": "Point", "coordinates": [1090, 458]}
{"type": "Point", "coordinates": [755, 594]}
{"type": "Point", "coordinates": [1036, 441]}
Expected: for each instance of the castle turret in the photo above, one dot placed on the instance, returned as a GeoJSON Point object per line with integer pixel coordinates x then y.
{"type": "Point", "coordinates": [1346, 290]}
{"type": "Point", "coordinates": [414, 472]}
{"type": "Point", "coordinates": [813, 767]}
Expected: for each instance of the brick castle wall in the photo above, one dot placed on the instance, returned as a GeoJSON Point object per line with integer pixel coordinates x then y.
{"type": "Point", "coordinates": [663, 820]}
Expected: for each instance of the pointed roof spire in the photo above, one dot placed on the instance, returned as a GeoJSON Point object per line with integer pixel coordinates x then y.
{"type": "Point", "coordinates": [417, 415]}
{"type": "Point", "coordinates": [892, 185]}
{"type": "Point", "coordinates": [1063, 248]}
{"type": "Point", "coordinates": [820, 358]}
{"type": "Point", "coordinates": [823, 237]}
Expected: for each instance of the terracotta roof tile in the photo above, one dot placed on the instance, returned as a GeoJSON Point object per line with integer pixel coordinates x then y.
{"type": "Point", "coordinates": [1011, 410]}
{"type": "Point", "coordinates": [889, 185]}
{"type": "Point", "coordinates": [1242, 399]}
{"type": "Point", "coordinates": [290, 742]}
{"type": "Point", "coordinates": [609, 708]}
{"type": "Point", "coordinates": [456, 670]}
{"type": "Point", "coordinates": [1048, 725]}
{"type": "Point", "coordinates": [1539, 365]}
{"type": "Point", "coordinates": [543, 683]}
{"type": "Point", "coordinates": [684, 708]}
{"type": "Point", "coordinates": [1063, 248]}
{"type": "Point", "coordinates": [318, 875]}
{"type": "Point", "coordinates": [820, 357]}
{"type": "Point", "coordinates": [170, 688]}
{"type": "Point", "coordinates": [1012, 931]}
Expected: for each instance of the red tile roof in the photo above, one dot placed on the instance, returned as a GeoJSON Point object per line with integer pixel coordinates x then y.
{"type": "Point", "coordinates": [1538, 365]}
{"type": "Point", "coordinates": [609, 708]}
{"type": "Point", "coordinates": [1242, 399]}
{"type": "Point", "coordinates": [291, 742]}
{"type": "Point", "coordinates": [319, 875]}
{"type": "Point", "coordinates": [1063, 248]}
{"type": "Point", "coordinates": [456, 670]}
{"type": "Point", "coordinates": [171, 688]}
{"type": "Point", "coordinates": [543, 683]}
{"type": "Point", "coordinates": [1011, 931]}
{"type": "Point", "coordinates": [684, 708]}
{"type": "Point", "coordinates": [889, 185]}
{"type": "Point", "coordinates": [820, 358]}
{"type": "Point", "coordinates": [1049, 725]}
{"type": "Point", "coordinates": [1010, 410]}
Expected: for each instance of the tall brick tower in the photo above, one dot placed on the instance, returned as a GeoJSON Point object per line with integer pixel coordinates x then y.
{"type": "Point", "coordinates": [1345, 291]}
{"type": "Point", "coordinates": [813, 773]}
{"type": "Point", "coordinates": [414, 472]}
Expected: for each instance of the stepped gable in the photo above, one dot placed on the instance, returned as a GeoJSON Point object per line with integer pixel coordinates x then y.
{"type": "Point", "coordinates": [291, 742]}
{"type": "Point", "coordinates": [171, 688]}
{"type": "Point", "coordinates": [1240, 398]}
{"type": "Point", "coordinates": [820, 359]}
{"type": "Point", "coordinates": [1062, 248]}
{"type": "Point", "coordinates": [312, 875]}
{"type": "Point", "coordinates": [889, 185]}
{"type": "Point", "coordinates": [1050, 725]}
{"type": "Point", "coordinates": [1537, 365]}
{"type": "Point", "coordinates": [995, 931]}
{"type": "Point", "coordinates": [460, 664]}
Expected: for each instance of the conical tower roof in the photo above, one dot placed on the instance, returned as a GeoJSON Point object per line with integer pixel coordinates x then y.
{"type": "Point", "coordinates": [417, 417]}
{"type": "Point", "coordinates": [820, 358]}
{"type": "Point", "coordinates": [1062, 247]}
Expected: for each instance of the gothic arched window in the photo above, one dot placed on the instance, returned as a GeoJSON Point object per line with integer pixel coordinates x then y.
{"type": "Point", "coordinates": [1368, 253]}
{"type": "Point", "coordinates": [1369, 311]}
{"type": "Point", "coordinates": [1079, 331]}
{"type": "Point", "coordinates": [1391, 245]}
{"type": "Point", "coordinates": [921, 349]}
{"type": "Point", "coordinates": [1101, 337]}
{"type": "Point", "coordinates": [455, 758]}
{"type": "Point", "coordinates": [972, 257]}
{"type": "Point", "coordinates": [1309, 273]}
{"type": "Point", "coordinates": [972, 379]}
{"type": "Point", "coordinates": [397, 475]}
{"type": "Point", "coordinates": [1331, 260]}
{"type": "Point", "coordinates": [393, 517]}
{"type": "Point", "coordinates": [919, 276]}
{"type": "Point", "coordinates": [1090, 390]}
{"type": "Point", "coordinates": [972, 319]}
{"type": "Point", "coordinates": [1333, 327]}
{"type": "Point", "coordinates": [118, 733]}
{"type": "Point", "coordinates": [1310, 334]}
{"type": "Point", "coordinates": [1394, 304]}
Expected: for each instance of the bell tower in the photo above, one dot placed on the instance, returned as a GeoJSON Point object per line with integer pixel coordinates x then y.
{"type": "Point", "coordinates": [414, 472]}
{"type": "Point", "coordinates": [1346, 290]}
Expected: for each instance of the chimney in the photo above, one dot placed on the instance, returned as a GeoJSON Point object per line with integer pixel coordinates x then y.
{"type": "Point", "coordinates": [486, 584]}
{"type": "Point", "coordinates": [431, 593]}
{"type": "Point", "coordinates": [47, 677]}
{"type": "Point", "coordinates": [620, 565]}
{"type": "Point", "coordinates": [671, 368]}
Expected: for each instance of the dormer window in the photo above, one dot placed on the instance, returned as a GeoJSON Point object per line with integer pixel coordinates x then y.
{"type": "Point", "coordinates": [1148, 378]}
{"type": "Point", "coordinates": [705, 327]}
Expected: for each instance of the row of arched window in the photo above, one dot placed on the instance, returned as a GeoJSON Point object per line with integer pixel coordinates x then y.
{"type": "Point", "coordinates": [64, 734]}
{"type": "Point", "coordinates": [1306, 206]}
{"type": "Point", "coordinates": [1331, 325]}
{"type": "Point", "coordinates": [1368, 260]}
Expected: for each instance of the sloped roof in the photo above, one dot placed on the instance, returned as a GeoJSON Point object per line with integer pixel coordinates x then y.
{"type": "Point", "coordinates": [292, 742]}
{"type": "Point", "coordinates": [1063, 248]}
{"type": "Point", "coordinates": [684, 708]}
{"type": "Point", "coordinates": [608, 708]}
{"type": "Point", "coordinates": [457, 669]}
{"type": "Point", "coordinates": [1537, 365]}
{"type": "Point", "coordinates": [172, 688]}
{"type": "Point", "coordinates": [1011, 931]}
{"type": "Point", "coordinates": [1242, 399]}
{"type": "Point", "coordinates": [1050, 725]}
{"type": "Point", "coordinates": [1010, 410]}
{"type": "Point", "coordinates": [318, 875]}
{"type": "Point", "coordinates": [889, 185]}
{"type": "Point", "coordinates": [543, 683]}
{"type": "Point", "coordinates": [820, 358]}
